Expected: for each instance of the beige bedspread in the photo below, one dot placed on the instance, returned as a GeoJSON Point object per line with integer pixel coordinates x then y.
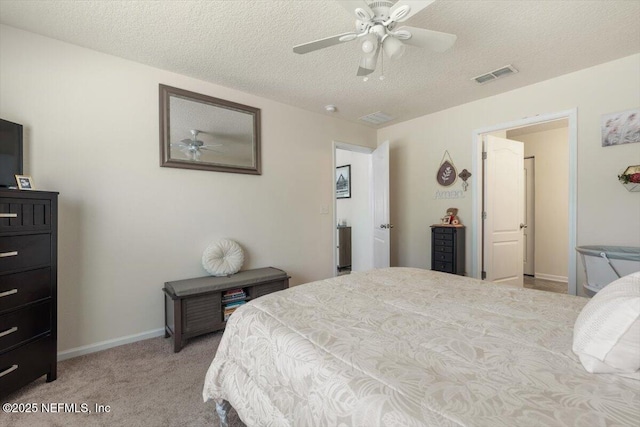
{"type": "Point", "coordinates": [411, 347]}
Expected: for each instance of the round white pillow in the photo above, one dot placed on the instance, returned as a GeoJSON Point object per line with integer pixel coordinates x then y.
{"type": "Point", "coordinates": [223, 258]}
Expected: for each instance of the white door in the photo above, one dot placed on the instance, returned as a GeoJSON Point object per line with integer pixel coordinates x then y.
{"type": "Point", "coordinates": [380, 192]}
{"type": "Point", "coordinates": [503, 205]}
{"type": "Point", "coordinates": [529, 221]}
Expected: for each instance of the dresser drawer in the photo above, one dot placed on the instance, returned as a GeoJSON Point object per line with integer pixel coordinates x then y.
{"type": "Point", "coordinates": [443, 230]}
{"type": "Point", "coordinates": [445, 249]}
{"type": "Point", "coordinates": [22, 252]}
{"type": "Point", "coordinates": [446, 236]}
{"type": "Point", "coordinates": [22, 288]}
{"type": "Point", "coordinates": [24, 214]}
{"type": "Point", "coordinates": [21, 325]}
{"type": "Point", "coordinates": [439, 242]}
{"type": "Point", "coordinates": [441, 256]}
{"type": "Point", "coordinates": [26, 363]}
{"type": "Point", "coordinates": [445, 267]}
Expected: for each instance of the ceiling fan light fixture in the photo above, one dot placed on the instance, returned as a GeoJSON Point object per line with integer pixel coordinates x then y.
{"type": "Point", "coordinates": [393, 47]}
{"type": "Point", "coordinates": [367, 46]}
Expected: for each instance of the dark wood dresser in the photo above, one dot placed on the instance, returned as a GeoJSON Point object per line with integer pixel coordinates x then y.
{"type": "Point", "coordinates": [447, 248]}
{"type": "Point", "coordinates": [344, 247]}
{"type": "Point", "coordinates": [28, 287]}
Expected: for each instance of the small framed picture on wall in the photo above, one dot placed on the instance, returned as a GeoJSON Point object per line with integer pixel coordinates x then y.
{"type": "Point", "coordinates": [343, 182]}
{"type": "Point", "coordinates": [25, 182]}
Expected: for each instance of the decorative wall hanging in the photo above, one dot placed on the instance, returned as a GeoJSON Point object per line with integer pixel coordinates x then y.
{"type": "Point", "coordinates": [464, 176]}
{"type": "Point", "coordinates": [202, 132]}
{"type": "Point", "coordinates": [343, 182]}
{"type": "Point", "coordinates": [630, 178]}
{"type": "Point", "coordinates": [446, 175]}
{"type": "Point", "coordinates": [621, 128]}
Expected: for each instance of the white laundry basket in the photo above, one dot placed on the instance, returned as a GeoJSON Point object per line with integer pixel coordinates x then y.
{"type": "Point", "coordinates": [604, 264]}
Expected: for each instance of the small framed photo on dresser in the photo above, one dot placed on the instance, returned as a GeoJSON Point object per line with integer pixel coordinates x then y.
{"type": "Point", "coordinates": [25, 182]}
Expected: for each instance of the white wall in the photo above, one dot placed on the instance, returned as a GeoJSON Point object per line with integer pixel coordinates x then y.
{"type": "Point", "coordinates": [417, 147]}
{"type": "Point", "coordinates": [356, 211]}
{"type": "Point", "coordinates": [551, 151]}
{"type": "Point", "coordinates": [127, 225]}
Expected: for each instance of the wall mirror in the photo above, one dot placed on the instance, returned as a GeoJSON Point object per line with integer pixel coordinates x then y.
{"type": "Point", "coordinates": [202, 132]}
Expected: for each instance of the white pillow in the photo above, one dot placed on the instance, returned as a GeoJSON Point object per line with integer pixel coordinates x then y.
{"type": "Point", "coordinates": [223, 258]}
{"type": "Point", "coordinates": [606, 335]}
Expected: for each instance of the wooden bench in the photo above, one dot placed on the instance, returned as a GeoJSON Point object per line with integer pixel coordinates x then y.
{"type": "Point", "coordinates": [194, 307]}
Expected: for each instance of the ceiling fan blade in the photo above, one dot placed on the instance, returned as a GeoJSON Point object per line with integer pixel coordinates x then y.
{"type": "Point", "coordinates": [368, 62]}
{"type": "Point", "coordinates": [416, 6]}
{"type": "Point", "coordinates": [351, 6]}
{"type": "Point", "coordinates": [217, 150]}
{"type": "Point", "coordinates": [433, 40]}
{"type": "Point", "coordinates": [322, 43]}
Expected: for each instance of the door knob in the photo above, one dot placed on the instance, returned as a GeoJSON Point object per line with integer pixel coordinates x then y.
{"type": "Point", "coordinates": [383, 225]}
{"type": "Point", "coordinates": [389, 225]}
{"type": "Point", "coordinates": [523, 226]}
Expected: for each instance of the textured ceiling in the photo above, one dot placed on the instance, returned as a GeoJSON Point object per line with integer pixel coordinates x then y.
{"type": "Point", "coordinates": [247, 45]}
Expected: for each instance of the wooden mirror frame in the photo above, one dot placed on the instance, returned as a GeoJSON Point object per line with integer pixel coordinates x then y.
{"type": "Point", "coordinates": [166, 92]}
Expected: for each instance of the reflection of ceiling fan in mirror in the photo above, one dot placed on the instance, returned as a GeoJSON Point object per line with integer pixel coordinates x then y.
{"type": "Point", "coordinates": [376, 30]}
{"type": "Point", "coordinates": [191, 147]}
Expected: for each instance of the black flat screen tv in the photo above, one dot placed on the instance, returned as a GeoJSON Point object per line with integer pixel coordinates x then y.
{"type": "Point", "coordinates": [10, 152]}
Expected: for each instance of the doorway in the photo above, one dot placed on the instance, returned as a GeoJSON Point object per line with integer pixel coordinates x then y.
{"type": "Point", "coordinates": [529, 262]}
{"type": "Point", "coordinates": [352, 208]}
{"type": "Point", "coordinates": [545, 206]}
{"type": "Point", "coordinates": [518, 130]}
{"type": "Point", "coordinates": [358, 243]}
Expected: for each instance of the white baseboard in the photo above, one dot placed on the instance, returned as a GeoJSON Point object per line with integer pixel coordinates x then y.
{"type": "Point", "coordinates": [99, 346]}
{"type": "Point", "coordinates": [551, 277]}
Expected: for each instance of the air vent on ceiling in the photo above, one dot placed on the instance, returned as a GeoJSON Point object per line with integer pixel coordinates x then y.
{"type": "Point", "coordinates": [376, 118]}
{"type": "Point", "coordinates": [500, 72]}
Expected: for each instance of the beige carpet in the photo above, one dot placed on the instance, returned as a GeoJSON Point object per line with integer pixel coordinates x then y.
{"type": "Point", "coordinates": [144, 383]}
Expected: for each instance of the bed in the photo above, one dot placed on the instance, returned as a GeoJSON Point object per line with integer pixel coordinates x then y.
{"type": "Point", "coordinates": [411, 347]}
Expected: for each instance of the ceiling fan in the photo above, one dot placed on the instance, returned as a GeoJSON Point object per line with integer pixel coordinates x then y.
{"type": "Point", "coordinates": [191, 146]}
{"type": "Point", "coordinates": [376, 30]}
